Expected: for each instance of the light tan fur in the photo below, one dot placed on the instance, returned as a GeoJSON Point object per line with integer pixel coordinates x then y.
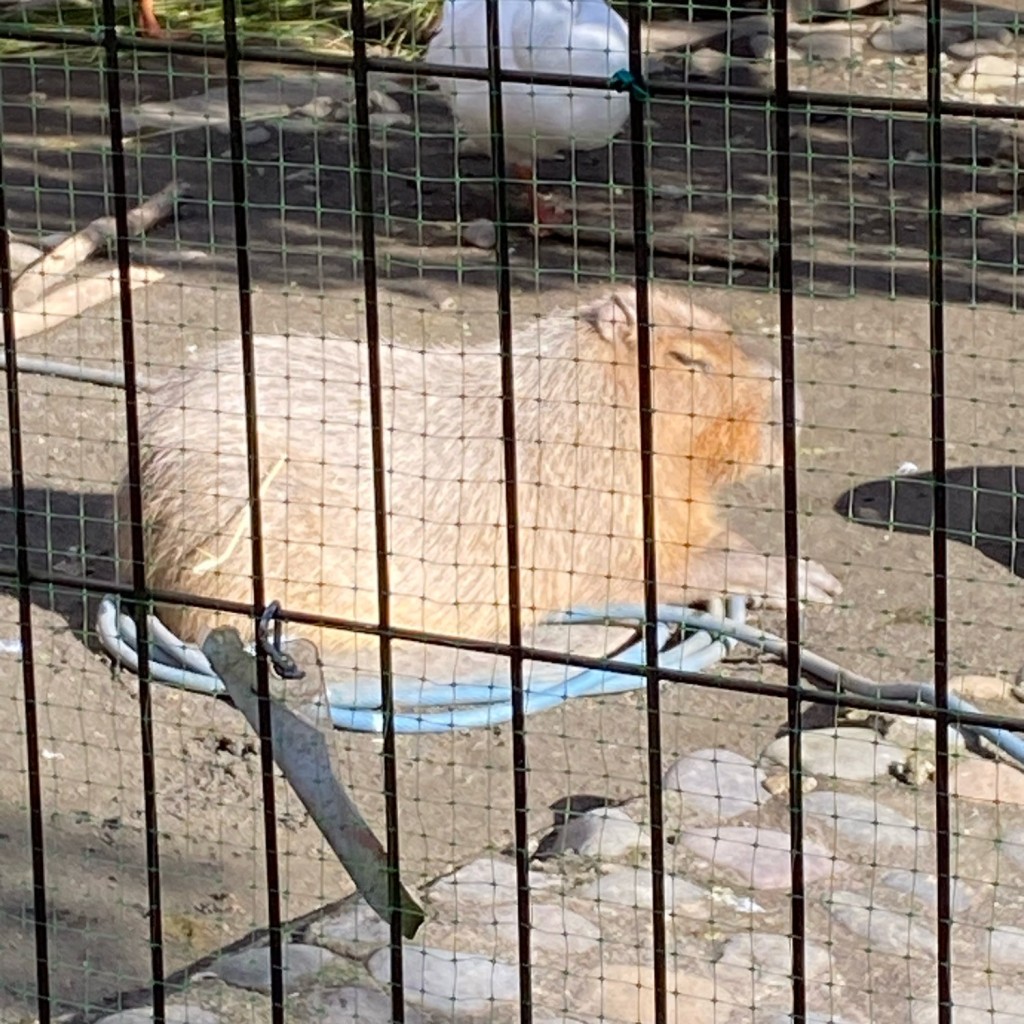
{"type": "Point", "coordinates": [580, 508]}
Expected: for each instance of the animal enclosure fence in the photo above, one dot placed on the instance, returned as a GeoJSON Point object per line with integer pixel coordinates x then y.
{"type": "Point", "coordinates": [838, 212]}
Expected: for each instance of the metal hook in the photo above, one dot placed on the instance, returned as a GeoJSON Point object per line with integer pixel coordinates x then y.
{"type": "Point", "coordinates": [284, 664]}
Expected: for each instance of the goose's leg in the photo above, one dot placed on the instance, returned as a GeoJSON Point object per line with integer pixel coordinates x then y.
{"type": "Point", "coordinates": [149, 23]}
{"type": "Point", "coordinates": [544, 212]}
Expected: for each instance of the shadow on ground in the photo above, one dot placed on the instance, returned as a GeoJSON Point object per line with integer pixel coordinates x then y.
{"type": "Point", "coordinates": [859, 190]}
{"type": "Point", "coordinates": [983, 508]}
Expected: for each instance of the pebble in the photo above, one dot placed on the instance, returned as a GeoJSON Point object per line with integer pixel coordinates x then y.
{"type": "Point", "coordinates": [257, 135]}
{"type": "Point", "coordinates": [634, 888]}
{"type": "Point", "coordinates": [389, 119]}
{"type": "Point", "coordinates": [847, 752]}
{"type": "Point", "coordinates": [624, 992]}
{"type": "Point", "coordinates": [439, 979]}
{"type": "Point", "coordinates": [990, 781]}
{"type": "Point", "coordinates": [830, 45]}
{"type": "Point", "coordinates": [251, 967]}
{"type": "Point", "coordinates": [989, 74]}
{"type": "Point", "coordinates": [759, 858]}
{"type": "Point", "coordinates": [718, 782]}
{"type": "Point", "coordinates": [778, 785]}
{"type": "Point", "coordinates": [173, 1014]}
{"type": "Point", "coordinates": [884, 931]}
{"type": "Point", "coordinates": [480, 233]}
{"type": "Point", "coordinates": [606, 833]}
{"type": "Point", "coordinates": [863, 822]}
{"type": "Point", "coordinates": [319, 108]}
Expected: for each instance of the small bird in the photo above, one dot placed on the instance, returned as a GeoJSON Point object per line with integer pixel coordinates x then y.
{"type": "Point", "coordinates": [564, 37]}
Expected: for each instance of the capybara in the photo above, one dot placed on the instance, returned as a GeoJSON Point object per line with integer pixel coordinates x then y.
{"type": "Point", "coordinates": [716, 420]}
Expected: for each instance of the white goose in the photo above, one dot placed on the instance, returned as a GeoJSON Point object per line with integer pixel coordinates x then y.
{"type": "Point", "coordinates": [565, 37]}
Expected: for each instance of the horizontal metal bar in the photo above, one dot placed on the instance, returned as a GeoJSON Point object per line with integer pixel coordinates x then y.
{"type": "Point", "coordinates": [799, 100]}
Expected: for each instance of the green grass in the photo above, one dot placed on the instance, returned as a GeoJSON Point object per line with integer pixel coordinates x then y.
{"type": "Point", "coordinates": [398, 26]}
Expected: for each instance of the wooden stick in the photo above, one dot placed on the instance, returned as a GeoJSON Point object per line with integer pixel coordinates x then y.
{"type": "Point", "coordinates": [59, 263]}
{"type": "Point", "coordinates": [75, 297]}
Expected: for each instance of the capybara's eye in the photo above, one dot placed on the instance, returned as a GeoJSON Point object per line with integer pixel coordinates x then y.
{"type": "Point", "coordinates": [690, 361]}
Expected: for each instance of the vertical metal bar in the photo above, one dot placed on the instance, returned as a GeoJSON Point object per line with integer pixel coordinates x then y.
{"type": "Point", "coordinates": [503, 285]}
{"type": "Point", "coordinates": [140, 603]}
{"type": "Point", "coordinates": [642, 278]}
{"type": "Point", "coordinates": [783, 178]}
{"type": "Point", "coordinates": [28, 673]}
{"type": "Point", "coordinates": [365, 207]}
{"type": "Point", "coordinates": [940, 567]}
{"type": "Point", "coordinates": [232, 67]}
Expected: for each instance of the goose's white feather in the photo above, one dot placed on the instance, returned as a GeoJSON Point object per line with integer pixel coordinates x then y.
{"type": "Point", "coordinates": [568, 37]}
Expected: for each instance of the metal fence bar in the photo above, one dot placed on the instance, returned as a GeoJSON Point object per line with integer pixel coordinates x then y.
{"type": "Point", "coordinates": [503, 287]}
{"type": "Point", "coordinates": [365, 208]}
{"type": "Point", "coordinates": [940, 562]}
{"type": "Point", "coordinates": [22, 579]}
{"type": "Point", "coordinates": [645, 393]}
{"type": "Point", "coordinates": [783, 164]}
{"type": "Point", "coordinates": [244, 278]}
{"type": "Point", "coordinates": [140, 607]}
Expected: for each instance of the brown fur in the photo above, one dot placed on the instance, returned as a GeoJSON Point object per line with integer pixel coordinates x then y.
{"type": "Point", "coordinates": [717, 414]}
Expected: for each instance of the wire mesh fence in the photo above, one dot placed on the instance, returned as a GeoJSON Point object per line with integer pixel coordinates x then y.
{"type": "Point", "coordinates": [520, 382]}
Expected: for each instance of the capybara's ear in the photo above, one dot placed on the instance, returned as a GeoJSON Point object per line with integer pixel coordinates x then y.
{"type": "Point", "coordinates": [614, 317]}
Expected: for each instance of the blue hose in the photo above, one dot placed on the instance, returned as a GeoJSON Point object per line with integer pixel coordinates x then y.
{"type": "Point", "coordinates": [422, 707]}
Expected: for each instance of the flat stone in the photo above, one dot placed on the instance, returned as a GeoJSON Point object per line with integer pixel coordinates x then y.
{"type": "Point", "coordinates": [990, 74]}
{"type": "Point", "coordinates": [262, 99]}
{"type": "Point", "coordinates": [865, 823]}
{"type": "Point", "coordinates": [624, 992]}
{"type": "Point", "coordinates": [918, 734]}
{"type": "Point", "coordinates": [804, 10]}
{"type": "Point", "coordinates": [1002, 947]}
{"type": "Point", "coordinates": [251, 967]}
{"type": "Point", "coordinates": [173, 1014]}
{"type": "Point", "coordinates": [487, 882]}
{"type": "Point", "coordinates": [439, 979]}
{"type": "Point", "coordinates": [993, 1004]}
{"type": "Point", "coordinates": [883, 931]}
{"type": "Point", "coordinates": [968, 50]}
{"type": "Point", "coordinates": [830, 45]}
{"type": "Point", "coordinates": [761, 46]}
{"type": "Point", "coordinates": [906, 33]}
{"type": "Point", "coordinates": [767, 956]}
{"type": "Point", "coordinates": [812, 1017]}
{"type": "Point", "coordinates": [554, 929]}
{"type": "Point", "coordinates": [355, 1005]}
{"type": "Point", "coordinates": [759, 858]}
{"type": "Point", "coordinates": [353, 926]}
{"type": "Point", "coordinates": [846, 752]}
{"type": "Point", "coordinates": [605, 833]}
{"type": "Point", "coordinates": [924, 888]}
{"type": "Point", "coordinates": [717, 782]}
{"type": "Point", "coordinates": [633, 887]}
{"type": "Point", "coordinates": [989, 781]}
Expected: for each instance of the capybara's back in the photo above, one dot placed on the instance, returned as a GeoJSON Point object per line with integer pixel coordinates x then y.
{"type": "Point", "coordinates": [579, 495]}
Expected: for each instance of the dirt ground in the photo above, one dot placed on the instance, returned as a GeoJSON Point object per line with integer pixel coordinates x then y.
{"type": "Point", "coordinates": [860, 213]}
